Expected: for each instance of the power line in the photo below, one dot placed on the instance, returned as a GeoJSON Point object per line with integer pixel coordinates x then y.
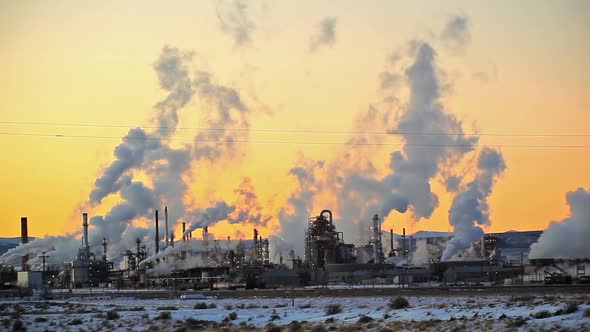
{"type": "Point", "coordinates": [292, 131]}
{"type": "Point", "coordinates": [290, 142]}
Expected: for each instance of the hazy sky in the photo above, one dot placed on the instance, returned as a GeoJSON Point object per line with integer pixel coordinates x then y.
{"type": "Point", "coordinates": [521, 69]}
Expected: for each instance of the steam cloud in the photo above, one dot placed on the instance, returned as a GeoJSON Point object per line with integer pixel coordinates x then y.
{"type": "Point", "coordinates": [456, 36]}
{"type": "Point", "coordinates": [143, 153]}
{"type": "Point", "coordinates": [326, 34]}
{"type": "Point", "coordinates": [470, 207]}
{"type": "Point", "coordinates": [353, 180]}
{"type": "Point", "coordinates": [234, 20]}
{"type": "Point", "coordinates": [569, 237]}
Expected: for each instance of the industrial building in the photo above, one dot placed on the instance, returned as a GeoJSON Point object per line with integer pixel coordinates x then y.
{"type": "Point", "coordinates": [496, 258]}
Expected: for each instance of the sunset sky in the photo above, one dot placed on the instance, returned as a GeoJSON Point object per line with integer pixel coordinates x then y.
{"type": "Point", "coordinates": [521, 79]}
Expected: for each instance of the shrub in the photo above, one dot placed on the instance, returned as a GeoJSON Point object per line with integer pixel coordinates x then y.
{"type": "Point", "coordinates": [274, 315]}
{"type": "Point", "coordinates": [516, 322]}
{"type": "Point", "coordinates": [194, 324]}
{"type": "Point", "coordinates": [228, 307]}
{"type": "Point", "coordinates": [169, 307]}
{"type": "Point", "coordinates": [319, 328]}
{"type": "Point", "coordinates": [201, 305]}
{"type": "Point", "coordinates": [329, 320]}
{"type": "Point", "coordinates": [587, 312]}
{"type": "Point", "coordinates": [570, 308]}
{"type": "Point", "coordinates": [524, 298]}
{"type": "Point", "coordinates": [399, 302]}
{"type": "Point", "coordinates": [386, 315]}
{"type": "Point", "coordinates": [76, 321]}
{"type": "Point", "coordinates": [40, 319]}
{"type": "Point", "coordinates": [305, 306]}
{"type": "Point", "coordinates": [164, 315]}
{"type": "Point", "coordinates": [233, 315]}
{"type": "Point", "coordinates": [112, 315]}
{"type": "Point", "coordinates": [364, 319]}
{"type": "Point", "coordinates": [273, 328]}
{"type": "Point", "coordinates": [295, 326]}
{"type": "Point", "coordinates": [542, 314]}
{"type": "Point", "coordinates": [18, 325]}
{"type": "Point", "coordinates": [212, 305]}
{"type": "Point", "coordinates": [332, 309]}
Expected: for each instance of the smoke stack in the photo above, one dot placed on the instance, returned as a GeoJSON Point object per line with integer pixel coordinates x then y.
{"type": "Point", "coordinates": [85, 234]}
{"type": "Point", "coordinates": [24, 238]}
{"type": "Point", "coordinates": [172, 239]}
{"type": "Point", "coordinates": [157, 235]}
{"type": "Point", "coordinates": [166, 222]}
{"type": "Point", "coordinates": [104, 248]}
{"type": "Point", "coordinates": [377, 246]}
{"type": "Point", "coordinates": [391, 243]}
{"type": "Point", "coordinates": [404, 242]}
{"type": "Point", "coordinates": [183, 231]}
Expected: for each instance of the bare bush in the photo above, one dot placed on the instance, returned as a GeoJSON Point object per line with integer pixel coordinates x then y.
{"type": "Point", "coordinates": [399, 302]}
{"type": "Point", "coordinates": [332, 309]}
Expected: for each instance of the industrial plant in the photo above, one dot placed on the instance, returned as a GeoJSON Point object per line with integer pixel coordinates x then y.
{"type": "Point", "coordinates": [386, 259]}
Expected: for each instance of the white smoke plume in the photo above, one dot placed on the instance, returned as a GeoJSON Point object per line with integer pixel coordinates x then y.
{"type": "Point", "coordinates": [359, 191]}
{"type": "Point", "coordinates": [325, 34]}
{"type": "Point", "coordinates": [245, 209]}
{"type": "Point", "coordinates": [148, 153]}
{"type": "Point", "coordinates": [567, 238]}
{"type": "Point", "coordinates": [470, 207]}
{"type": "Point", "coordinates": [234, 20]}
{"type": "Point", "coordinates": [456, 35]}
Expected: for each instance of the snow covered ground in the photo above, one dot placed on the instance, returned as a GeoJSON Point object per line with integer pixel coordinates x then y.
{"type": "Point", "coordinates": [467, 313]}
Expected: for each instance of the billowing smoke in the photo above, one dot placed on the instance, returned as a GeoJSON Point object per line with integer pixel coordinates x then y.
{"type": "Point", "coordinates": [433, 142]}
{"type": "Point", "coordinates": [246, 208]}
{"type": "Point", "coordinates": [293, 218]}
{"type": "Point", "coordinates": [325, 34]}
{"type": "Point", "coordinates": [455, 35]}
{"type": "Point", "coordinates": [148, 172]}
{"type": "Point", "coordinates": [567, 238]}
{"type": "Point", "coordinates": [234, 20]}
{"type": "Point", "coordinates": [470, 207]}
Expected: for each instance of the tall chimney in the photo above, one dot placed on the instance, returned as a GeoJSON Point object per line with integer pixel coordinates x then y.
{"type": "Point", "coordinates": [183, 231]}
{"type": "Point", "coordinates": [391, 242]}
{"type": "Point", "coordinates": [166, 221]}
{"type": "Point", "coordinates": [24, 238]}
{"type": "Point", "coordinates": [85, 229]}
{"type": "Point", "coordinates": [104, 249]}
{"type": "Point", "coordinates": [157, 235]}
{"type": "Point", "coordinates": [377, 245]}
{"type": "Point", "coordinates": [404, 243]}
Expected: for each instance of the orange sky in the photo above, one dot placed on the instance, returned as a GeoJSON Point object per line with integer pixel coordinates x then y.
{"type": "Point", "coordinates": [91, 63]}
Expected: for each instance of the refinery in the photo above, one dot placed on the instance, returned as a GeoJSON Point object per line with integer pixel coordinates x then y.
{"type": "Point", "coordinates": [386, 259]}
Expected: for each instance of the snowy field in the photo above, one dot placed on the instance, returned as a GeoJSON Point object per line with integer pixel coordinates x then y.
{"type": "Point", "coordinates": [461, 313]}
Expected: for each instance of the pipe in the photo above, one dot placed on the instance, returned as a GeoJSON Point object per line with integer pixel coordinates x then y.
{"type": "Point", "coordinates": [24, 238]}
{"type": "Point", "coordinates": [166, 221]}
{"type": "Point", "coordinates": [157, 235]}
{"type": "Point", "coordinates": [183, 231]}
